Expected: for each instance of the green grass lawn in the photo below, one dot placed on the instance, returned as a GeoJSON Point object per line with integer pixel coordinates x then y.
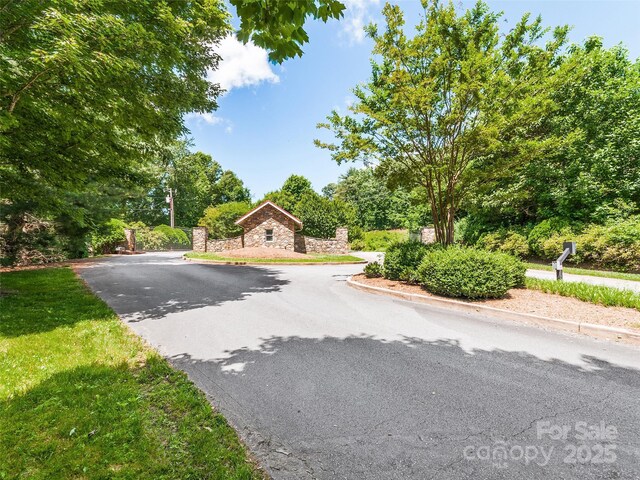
{"type": "Point", "coordinates": [313, 258]}
{"type": "Point", "coordinates": [82, 397]}
{"type": "Point", "coordinates": [586, 271]}
{"type": "Point", "coordinates": [610, 297]}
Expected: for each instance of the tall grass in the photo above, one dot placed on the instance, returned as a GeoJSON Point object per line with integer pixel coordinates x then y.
{"type": "Point", "coordinates": [607, 296]}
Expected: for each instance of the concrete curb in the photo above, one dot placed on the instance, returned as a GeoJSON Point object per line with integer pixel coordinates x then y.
{"type": "Point", "coordinates": [598, 331]}
{"type": "Point", "coordinates": [256, 264]}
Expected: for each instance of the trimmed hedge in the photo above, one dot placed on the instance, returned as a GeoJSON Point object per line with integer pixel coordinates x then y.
{"type": "Point", "coordinates": [470, 273]}
{"type": "Point", "coordinates": [402, 259]}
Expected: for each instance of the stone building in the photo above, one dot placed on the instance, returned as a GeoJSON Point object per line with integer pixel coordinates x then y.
{"type": "Point", "coordinates": [271, 226]}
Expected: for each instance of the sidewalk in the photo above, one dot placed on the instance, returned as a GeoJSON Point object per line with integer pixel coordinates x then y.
{"type": "Point", "coordinates": [570, 277]}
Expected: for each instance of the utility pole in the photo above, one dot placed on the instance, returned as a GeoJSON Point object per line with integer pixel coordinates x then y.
{"type": "Point", "coordinates": [170, 202]}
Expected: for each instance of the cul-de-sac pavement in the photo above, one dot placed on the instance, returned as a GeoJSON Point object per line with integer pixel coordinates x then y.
{"type": "Point", "coordinates": [323, 381]}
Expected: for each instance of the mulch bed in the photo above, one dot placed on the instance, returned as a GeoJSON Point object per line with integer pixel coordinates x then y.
{"type": "Point", "coordinates": [534, 302]}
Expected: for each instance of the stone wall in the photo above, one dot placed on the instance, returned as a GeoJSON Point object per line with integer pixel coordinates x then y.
{"type": "Point", "coordinates": [130, 242]}
{"type": "Point", "coordinates": [199, 242]}
{"type": "Point", "coordinates": [428, 235]}
{"type": "Point", "coordinates": [269, 218]}
{"type": "Point", "coordinates": [222, 244]}
{"type": "Point", "coordinates": [337, 245]}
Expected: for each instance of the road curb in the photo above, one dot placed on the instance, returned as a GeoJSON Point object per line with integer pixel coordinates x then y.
{"type": "Point", "coordinates": [593, 330]}
{"type": "Point", "coordinates": [257, 264]}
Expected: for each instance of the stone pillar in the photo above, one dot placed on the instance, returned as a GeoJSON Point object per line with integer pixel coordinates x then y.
{"type": "Point", "coordinates": [342, 237]}
{"type": "Point", "coordinates": [428, 235]}
{"type": "Point", "coordinates": [130, 236]}
{"type": "Point", "coordinates": [200, 237]}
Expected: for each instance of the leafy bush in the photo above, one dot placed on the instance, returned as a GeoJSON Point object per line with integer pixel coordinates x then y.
{"type": "Point", "coordinates": [373, 270]}
{"type": "Point", "coordinates": [220, 220]}
{"type": "Point", "coordinates": [505, 241]}
{"type": "Point", "coordinates": [357, 245]}
{"type": "Point", "coordinates": [544, 230]}
{"type": "Point", "coordinates": [356, 233]}
{"type": "Point", "coordinates": [402, 259]}
{"type": "Point", "coordinates": [148, 239]}
{"type": "Point", "coordinates": [379, 240]}
{"type": "Point", "coordinates": [175, 236]}
{"type": "Point", "coordinates": [470, 273]}
{"type": "Point", "coordinates": [108, 236]}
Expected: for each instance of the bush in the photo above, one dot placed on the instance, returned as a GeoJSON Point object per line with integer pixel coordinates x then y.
{"type": "Point", "coordinates": [108, 236]}
{"type": "Point", "coordinates": [402, 259]}
{"type": "Point", "coordinates": [505, 241]}
{"type": "Point", "coordinates": [220, 220]}
{"type": "Point", "coordinates": [544, 230]}
{"type": "Point", "coordinates": [379, 240]}
{"type": "Point", "coordinates": [470, 273]}
{"type": "Point", "coordinates": [148, 239]}
{"type": "Point", "coordinates": [357, 245]}
{"type": "Point", "coordinates": [175, 236]}
{"type": "Point", "coordinates": [373, 270]}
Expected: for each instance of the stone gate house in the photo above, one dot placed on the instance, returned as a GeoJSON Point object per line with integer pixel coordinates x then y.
{"type": "Point", "coordinates": [271, 226]}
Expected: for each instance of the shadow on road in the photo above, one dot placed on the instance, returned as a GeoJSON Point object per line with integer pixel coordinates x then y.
{"type": "Point", "coordinates": [358, 407]}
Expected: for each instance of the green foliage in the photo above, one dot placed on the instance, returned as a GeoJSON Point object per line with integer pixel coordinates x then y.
{"type": "Point", "coordinates": [505, 241]}
{"type": "Point", "coordinates": [403, 258]}
{"type": "Point", "coordinates": [377, 207]}
{"type": "Point", "coordinates": [357, 245]}
{"type": "Point", "coordinates": [607, 296]}
{"type": "Point", "coordinates": [379, 241]}
{"type": "Point", "coordinates": [278, 26]}
{"type": "Point", "coordinates": [440, 104]}
{"type": "Point", "coordinates": [544, 230]}
{"type": "Point", "coordinates": [470, 273]}
{"type": "Point", "coordinates": [175, 236]}
{"type": "Point", "coordinates": [220, 220]}
{"type": "Point", "coordinates": [594, 175]}
{"type": "Point", "coordinates": [321, 216]}
{"type": "Point", "coordinates": [80, 391]}
{"type": "Point", "coordinates": [373, 270]}
{"type": "Point", "coordinates": [108, 236]}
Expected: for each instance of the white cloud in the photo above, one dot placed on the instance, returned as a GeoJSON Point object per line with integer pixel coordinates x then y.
{"type": "Point", "coordinates": [241, 65]}
{"type": "Point", "coordinates": [357, 16]}
{"type": "Point", "coordinates": [209, 118]}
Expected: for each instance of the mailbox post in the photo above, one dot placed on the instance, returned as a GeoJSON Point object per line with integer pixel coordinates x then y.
{"type": "Point", "coordinates": [569, 249]}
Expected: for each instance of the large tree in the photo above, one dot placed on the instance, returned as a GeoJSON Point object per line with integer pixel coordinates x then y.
{"type": "Point", "coordinates": [438, 104]}
{"type": "Point", "coordinates": [91, 92]}
{"type": "Point", "coordinates": [595, 175]}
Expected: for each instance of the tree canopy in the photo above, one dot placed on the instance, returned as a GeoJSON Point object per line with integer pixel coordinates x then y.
{"type": "Point", "coordinates": [439, 104]}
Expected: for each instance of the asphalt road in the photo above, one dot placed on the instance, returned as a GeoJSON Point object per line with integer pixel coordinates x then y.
{"type": "Point", "coordinates": [323, 381]}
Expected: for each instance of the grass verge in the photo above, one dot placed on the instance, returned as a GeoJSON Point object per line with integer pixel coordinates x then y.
{"type": "Point", "coordinates": [311, 259]}
{"type": "Point", "coordinates": [82, 397]}
{"type": "Point", "coordinates": [607, 296]}
{"type": "Point", "coordinates": [586, 271]}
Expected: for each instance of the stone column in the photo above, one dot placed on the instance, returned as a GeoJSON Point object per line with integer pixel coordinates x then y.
{"type": "Point", "coordinates": [130, 236]}
{"type": "Point", "coordinates": [342, 236]}
{"type": "Point", "coordinates": [428, 235]}
{"type": "Point", "coordinates": [200, 236]}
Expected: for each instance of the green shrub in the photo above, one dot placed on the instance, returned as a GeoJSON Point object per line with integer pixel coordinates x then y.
{"type": "Point", "coordinates": [356, 233]}
{"type": "Point", "coordinates": [379, 240]}
{"type": "Point", "coordinates": [148, 239]}
{"type": "Point", "coordinates": [402, 259]}
{"type": "Point", "coordinates": [543, 232]}
{"type": "Point", "coordinates": [357, 244]}
{"type": "Point", "coordinates": [470, 273]}
{"type": "Point", "coordinates": [175, 236]}
{"type": "Point", "coordinates": [505, 241]}
{"type": "Point", "coordinates": [373, 270]}
{"type": "Point", "coordinates": [220, 220]}
{"type": "Point", "coordinates": [108, 236]}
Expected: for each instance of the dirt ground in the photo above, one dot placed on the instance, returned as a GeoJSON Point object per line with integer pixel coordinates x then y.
{"type": "Point", "coordinates": [534, 302]}
{"type": "Point", "coordinates": [261, 252]}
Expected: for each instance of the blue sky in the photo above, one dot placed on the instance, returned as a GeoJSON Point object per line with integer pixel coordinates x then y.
{"type": "Point", "coordinates": [266, 123]}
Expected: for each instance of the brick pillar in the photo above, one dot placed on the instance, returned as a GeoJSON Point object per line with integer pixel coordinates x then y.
{"type": "Point", "coordinates": [130, 236]}
{"type": "Point", "coordinates": [428, 235]}
{"type": "Point", "coordinates": [342, 236]}
{"type": "Point", "coordinates": [200, 236]}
